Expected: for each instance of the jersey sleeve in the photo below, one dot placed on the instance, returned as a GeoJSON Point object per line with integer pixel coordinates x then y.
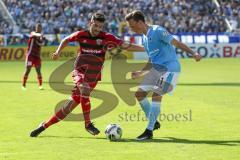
{"type": "Point", "coordinates": [113, 39]}
{"type": "Point", "coordinates": [164, 35]}
{"type": "Point", "coordinates": [35, 34]}
{"type": "Point", "coordinates": [74, 36]}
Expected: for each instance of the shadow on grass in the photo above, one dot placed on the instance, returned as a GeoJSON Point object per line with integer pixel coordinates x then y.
{"type": "Point", "coordinates": [160, 140]}
{"type": "Point", "coordinates": [70, 137]}
{"type": "Point", "coordinates": [186, 141]}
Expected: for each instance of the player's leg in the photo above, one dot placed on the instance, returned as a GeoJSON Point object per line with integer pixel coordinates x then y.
{"type": "Point", "coordinates": [85, 103]}
{"type": "Point", "coordinates": [58, 116]}
{"type": "Point", "coordinates": [67, 108]}
{"type": "Point", "coordinates": [145, 87]}
{"type": "Point", "coordinates": [154, 111]}
{"type": "Point", "coordinates": [39, 74]}
{"type": "Point", "coordinates": [86, 90]}
{"type": "Point", "coordinates": [164, 84]}
{"type": "Point", "coordinates": [25, 76]}
{"type": "Point", "coordinates": [152, 118]}
{"type": "Point", "coordinates": [81, 92]}
{"type": "Point", "coordinates": [141, 96]}
{"type": "Point", "coordinates": [148, 85]}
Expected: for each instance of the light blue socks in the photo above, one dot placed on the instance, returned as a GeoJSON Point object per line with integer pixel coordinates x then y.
{"type": "Point", "coordinates": [145, 105]}
{"type": "Point", "coordinates": [153, 114]}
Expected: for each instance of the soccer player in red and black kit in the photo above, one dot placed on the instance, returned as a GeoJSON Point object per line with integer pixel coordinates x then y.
{"type": "Point", "coordinates": [33, 56]}
{"type": "Point", "coordinates": [87, 69]}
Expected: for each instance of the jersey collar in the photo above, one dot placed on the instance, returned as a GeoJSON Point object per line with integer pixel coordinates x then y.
{"type": "Point", "coordinates": [149, 30]}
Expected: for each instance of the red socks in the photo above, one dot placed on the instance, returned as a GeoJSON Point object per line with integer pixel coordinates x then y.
{"type": "Point", "coordinates": [39, 80]}
{"type": "Point", "coordinates": [24, 81]}
{"type": "Point", "coordinates": [86, 107]}
{"type": "Point", "coordinates": [59, 115]}
{"type": "Point", "coordinates": [62, 113]}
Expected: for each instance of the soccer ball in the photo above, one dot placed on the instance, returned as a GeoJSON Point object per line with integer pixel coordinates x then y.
{"type": "Point", "coordinates": [113, 132]}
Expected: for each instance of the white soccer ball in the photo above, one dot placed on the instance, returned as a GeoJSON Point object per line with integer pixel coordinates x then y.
{"type": "Point", "coordinates": [113, 132]}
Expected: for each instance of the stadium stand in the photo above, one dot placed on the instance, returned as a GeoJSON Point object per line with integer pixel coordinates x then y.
{"type": "Point", "coordinates": [178, 16]}
{"type": "Point", "coordinates": [66, 16]}
{"type": "Point", "coordinates": [5, 28]}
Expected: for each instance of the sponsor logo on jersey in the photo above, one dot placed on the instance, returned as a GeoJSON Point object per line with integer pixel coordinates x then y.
{"type": "Point", "coordinates": [93, 51]}
{"type": "Point", "coordinates": [99, 41]}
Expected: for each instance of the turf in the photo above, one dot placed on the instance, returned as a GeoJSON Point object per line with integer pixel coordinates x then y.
{"type": "Point", "coordinates": [206, 98]}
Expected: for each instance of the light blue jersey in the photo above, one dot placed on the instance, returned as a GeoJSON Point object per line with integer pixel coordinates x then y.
{"type": "Point", "coordinates": [161, 52]}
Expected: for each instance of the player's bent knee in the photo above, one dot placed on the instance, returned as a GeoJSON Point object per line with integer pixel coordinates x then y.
{"type": "Point", "coordinates": [86, 92]}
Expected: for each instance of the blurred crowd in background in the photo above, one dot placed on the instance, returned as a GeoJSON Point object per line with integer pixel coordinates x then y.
{"type": "Point", "coordinates": [67, 16]}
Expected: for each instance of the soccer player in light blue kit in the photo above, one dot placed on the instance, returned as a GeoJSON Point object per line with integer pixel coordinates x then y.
{"type": "Point", "coordinates": [162, 70]}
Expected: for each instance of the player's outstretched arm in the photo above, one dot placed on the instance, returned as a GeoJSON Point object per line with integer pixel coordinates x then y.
{"type": "Point", "coordinates": [35, 34]}
{"type": "Point", "coordinates": [185, 48]}
{"type": "Point", "coordinates": [132, 47]}
{"type": "Point", "coordinates": [62, 45]}
{"type": "Point", "coordinates": [126, 46]}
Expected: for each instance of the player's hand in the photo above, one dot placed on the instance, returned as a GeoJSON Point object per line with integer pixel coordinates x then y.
{"type": "Point", "coordinates": [197, 57]}
{"type": "Point", "coordinates": [137, 74]}
{"type": "Point", "coordinates": [55, 56]}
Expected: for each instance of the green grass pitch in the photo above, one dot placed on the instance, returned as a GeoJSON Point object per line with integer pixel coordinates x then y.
{"type": "Point", "coordinates": [208, 95]}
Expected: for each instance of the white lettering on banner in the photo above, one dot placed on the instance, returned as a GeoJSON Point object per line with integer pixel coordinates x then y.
{"type": "Point", "coordinates": [213, 50]}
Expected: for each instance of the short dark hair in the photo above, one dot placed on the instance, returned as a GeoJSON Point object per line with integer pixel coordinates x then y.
{"type": "Point", "coordinates": [38, 25]}
{"type": "Point", "coordinates": [136, 16]}
{"type": "Point", "coordinates": [98, 17]}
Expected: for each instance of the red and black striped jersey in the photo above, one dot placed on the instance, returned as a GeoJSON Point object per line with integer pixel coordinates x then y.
{"type": "Point", "coordinates": [34, 46]}
{"type": "Point", "coordinates": [92, 52]}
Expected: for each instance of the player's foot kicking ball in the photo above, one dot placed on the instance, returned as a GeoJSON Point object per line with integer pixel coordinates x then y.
{"type": "Point", "coordinates": [147, 134]}
{"type": "Point", "coordinates": [157, 125]}
{"type": "Point", "coordinates": [92, 129]}
{"type": "Point", "coordinates": [37, 131]}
